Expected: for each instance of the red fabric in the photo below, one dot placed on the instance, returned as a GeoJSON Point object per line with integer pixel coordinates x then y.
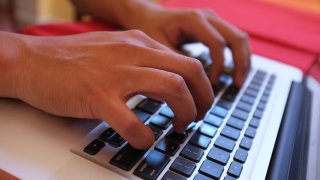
{"type": "Point", "coordinates": [60, 29]}
{"type": "Point", "coordinates": [315, 70]}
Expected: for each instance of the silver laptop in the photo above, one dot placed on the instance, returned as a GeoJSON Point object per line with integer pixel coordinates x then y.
{"type": "Point", "coordinates": [249, 133]}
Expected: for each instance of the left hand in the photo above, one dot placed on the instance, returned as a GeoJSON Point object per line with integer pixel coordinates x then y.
{"type": "Point", "coordinates": [173, 27]}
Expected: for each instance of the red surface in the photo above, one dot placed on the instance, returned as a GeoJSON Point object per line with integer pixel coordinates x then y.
{"type": "Point", "coordinates": [60, 29]}
{"type": "Point", "coordinates": [315, 70]}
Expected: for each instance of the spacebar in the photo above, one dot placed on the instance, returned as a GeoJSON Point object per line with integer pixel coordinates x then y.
{"type": "Point", "coordinates": [151, 167]}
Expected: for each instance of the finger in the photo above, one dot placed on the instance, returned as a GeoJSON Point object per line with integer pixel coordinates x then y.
{"type": "Point", "coordinates": [238, 43]}
{"type": "Point", "coordinates": [200, 29]}
{"type": "Point", "coordinates": [192, 72]}
{"type": "Point", "coordinates": [140, 38]}
{"type": "Point", "coordinates": [166, 86]}
{"type": "Point", "coordinates": [124, 122]}
{"type": "Point", "coordinates": [163, 39]}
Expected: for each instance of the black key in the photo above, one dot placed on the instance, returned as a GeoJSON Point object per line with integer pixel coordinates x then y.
{"type": "Point", "coordinates": [218, 87]}
{"type": "Point", "coordinates": [247, 99]}
{"type": "Point", "coordinates": [266, 93]}
{"type": "Point", "coordinates": [106, 134]}
{"type": "Point", "coordinates": [149, 105]}
{"type": "Point", "coordinates": [225, 143]}
{"type": "Point", "coordinates": [272, 78]}
{"type": "Point", "coordinates": [232, 90]}
{"type": "Point", "coordinates": [160, 121]}
{"type": "Point", "coordinates": [241, 155]}
{"type": "Point", "coordinates": [213, 120]}
{"type": "Point", "coordinates": [207, 130]}
{"type": "Point", "coordinates": [229, 178]}
{"type": "Point", "coordinates": [168, 147]}
{"type": "Point", "coordinates": [218, 155]}
{"type": "Point", "coordinates": [192, 152]}
{"type": "Point", "coordinates": [201, 177]}
{"type": "Point", "coordinates": [219, 111]}
{"type": "Point", "coordinates": [183, 166]}
{"type": "Point", "coordinates": [261, 106]}
{"type": "Point", "coordinates": [230, 132]}
{"type": "Point", "coordinates": [250, 132]}
{"type": "Point", "coordinates": [127, 157]}
{"type": "Point", "coordinates": [261, 73]}
{"type": "Point", "coordinates": [156, 131]}
{"type": "Point", "coordinates": [225, 103]}
{"type": "Point", "coordinates": [116, 140]}
{"type": "Point", "coordinates": [169, 175]}
{"type": "Point", "coordinates": [200, 140]}
{"type": "Point", "coordinates": [264, 99]}
{"type": "Point", "coordinates": [258, 114]}
{"type": "Point", "coordinates": [166, 111]}
{"type": "Point", "coordinates": [244, 106]}
{"type": "Point", "coordinates": [254, 122]}
{"type": "Point", "coordinates": [246, 143]}
{"type": "Point", "coordinates": [236, 123]}
{"type": "Point", "coordinates": [256, 81]}
{"type": "Point", "coordinates": [143, 116]}
{"type": "Point", "coordinates": [251, 92]}
{"type": "Point", "coordinates": [228, 96]}
{"type": "Point", "coordinates": [235, 169]}
{"type": "Point", "coordinates": [94, 147]}
{"type": "Point", "coordinates": [176, 137]}
{"type": "Point", "coordinates": [240, 114]}
{"type": "Point", "coordinates": [254, 87]}
{"type": "Point", "coordinates": [269, 87]}
{"type": "Point", "coordinates": [151, 167]}
{"type": "Point", "coordinates": [211, 169]}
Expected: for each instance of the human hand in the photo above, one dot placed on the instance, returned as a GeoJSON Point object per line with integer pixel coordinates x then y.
{"type": "Point", "coordinates": [92, 75]}
{"type": "Point", "coordinates": [173, 27]}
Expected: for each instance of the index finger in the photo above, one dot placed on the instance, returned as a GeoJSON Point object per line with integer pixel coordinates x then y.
{"type": "Point", "coordinates": [238, 43]}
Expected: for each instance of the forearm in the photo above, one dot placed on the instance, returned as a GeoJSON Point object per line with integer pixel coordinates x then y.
{"type": "Point", "coordinates": [11, 55]}
{"type": "Point", "coordinates": [123, 13]}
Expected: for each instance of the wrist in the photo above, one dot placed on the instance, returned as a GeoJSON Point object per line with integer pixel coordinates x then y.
{"type": "Point", "coordinates": [134, 11]}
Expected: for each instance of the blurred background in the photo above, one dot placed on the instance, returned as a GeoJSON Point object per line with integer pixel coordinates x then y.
{"type": "Point", "coordinates": [15, 14]}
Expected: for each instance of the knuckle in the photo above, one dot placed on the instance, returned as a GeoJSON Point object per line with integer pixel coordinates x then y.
{"type": "Point", "coordinates": [220, 43]}
{"type": "Point", "coordinates": [176, 83]}
{"type": "Point", "coordinates": [195, 14]}
{"type": "Point", "coordinates": [209, 12]}
{"type": "Point", "coordinates": [242, 37]}
{"type": "Point", "coordinates": [137, 33]}
{"type": "Point", "coordinates": [196, 67]}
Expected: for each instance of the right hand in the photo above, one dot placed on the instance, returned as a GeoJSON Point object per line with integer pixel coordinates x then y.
{"type": "Point", "coordinates": [92, 75]}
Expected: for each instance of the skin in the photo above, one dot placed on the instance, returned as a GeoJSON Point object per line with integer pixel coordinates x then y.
{"type": "Point", "coordinates": [92, 75]}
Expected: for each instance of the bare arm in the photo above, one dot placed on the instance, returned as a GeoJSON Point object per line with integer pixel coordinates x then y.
{"type": "Point", "coordinates": [11, 55]}
{"type": "Point", "coordinates": [118, 12]}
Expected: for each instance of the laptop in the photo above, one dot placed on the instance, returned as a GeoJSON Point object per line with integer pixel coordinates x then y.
{"type": "Point", "coordinates": [267, 129]}
{"type": "Point", "coordinates": [240, 137]}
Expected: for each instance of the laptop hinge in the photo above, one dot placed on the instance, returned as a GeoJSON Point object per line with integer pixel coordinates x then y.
{"type": "Point", "coordinates": [290, 154]}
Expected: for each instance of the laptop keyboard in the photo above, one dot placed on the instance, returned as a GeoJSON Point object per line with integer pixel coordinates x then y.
{"type": "Point", "coordinates": [215, 148]}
